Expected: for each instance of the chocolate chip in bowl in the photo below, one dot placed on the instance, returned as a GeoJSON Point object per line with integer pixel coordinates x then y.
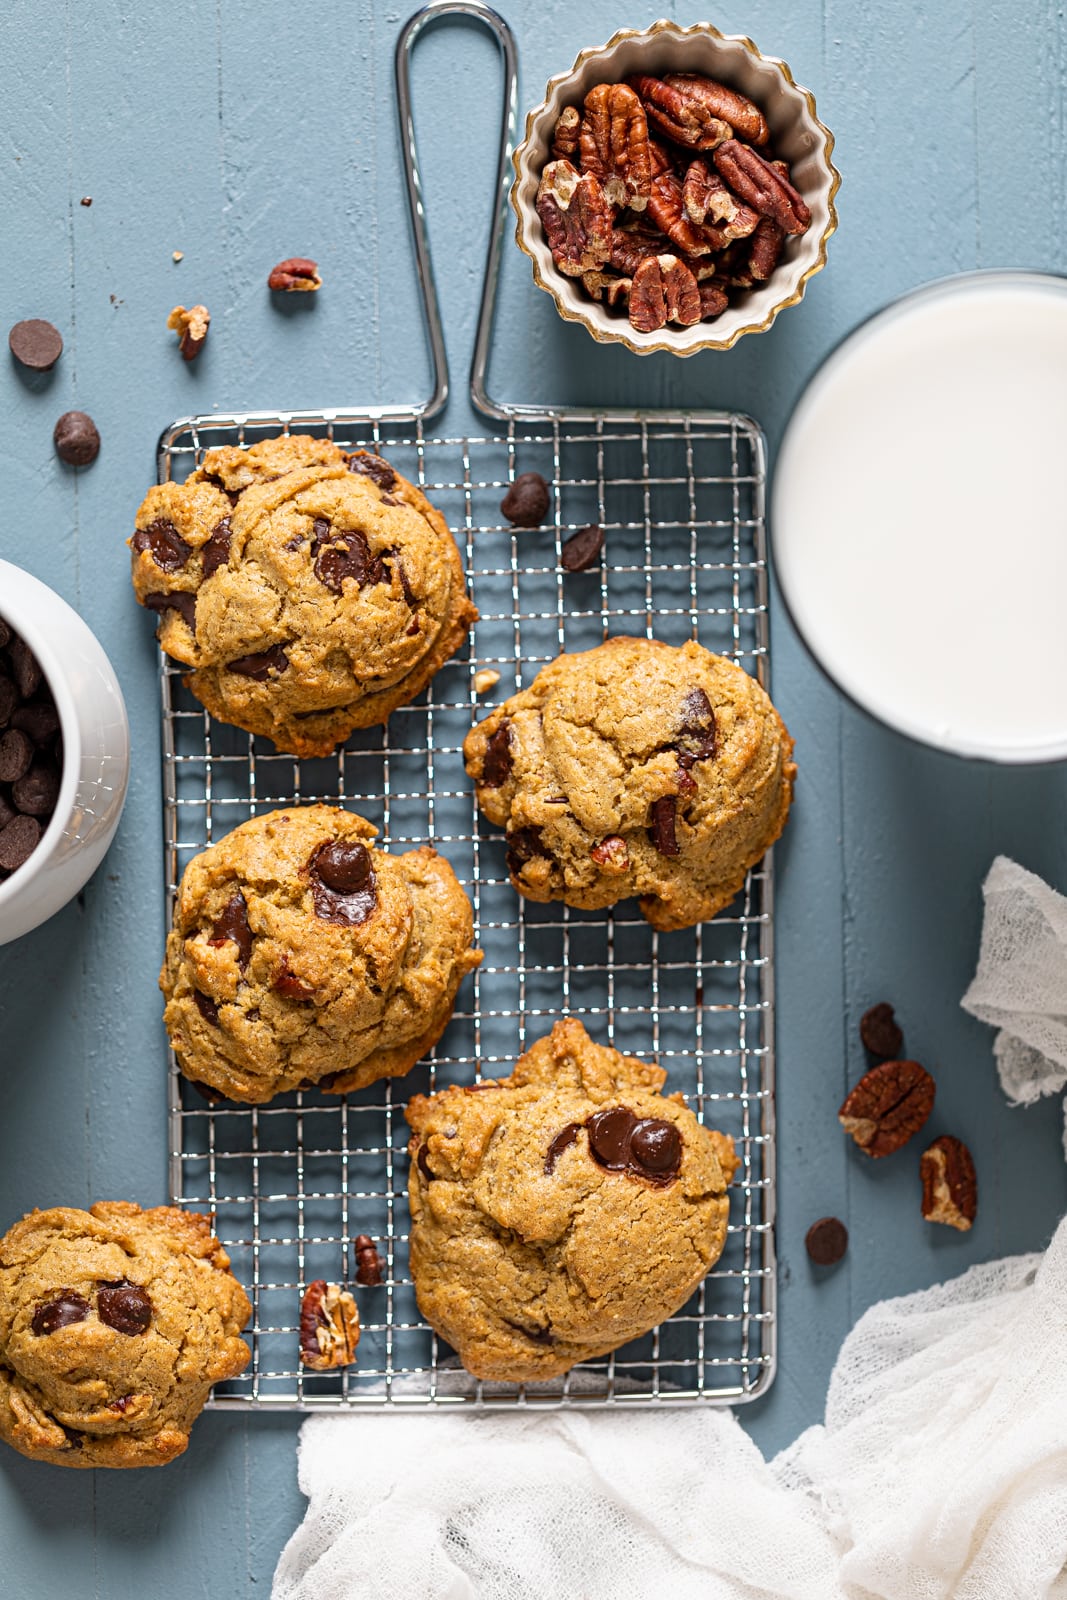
{"type": "Point", "coordinates": [674, 190]}
{"type": "Point", "coordinates": [30, 753]}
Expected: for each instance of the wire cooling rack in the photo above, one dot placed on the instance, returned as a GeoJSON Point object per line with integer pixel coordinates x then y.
{"type": "Point", "coordinates": [290, 1185]}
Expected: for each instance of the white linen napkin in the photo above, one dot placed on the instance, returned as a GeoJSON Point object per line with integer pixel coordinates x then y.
{"type": "Point", "coordinates": [1020, 986]}
{"type": "Point", "coordinates": [940, 1472]}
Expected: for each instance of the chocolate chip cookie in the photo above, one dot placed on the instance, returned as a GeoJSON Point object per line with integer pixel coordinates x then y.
{"type": "Point", "coordinates": [310, 591]}
{"type": "Point", "coordinates": [301, 955]}
{"type": "Point", "coordinates": [635, 769]}
{"type": "Point", "coordinates": [563, 1211]}
{"type": "Point", "coordinates": [114, 1324]}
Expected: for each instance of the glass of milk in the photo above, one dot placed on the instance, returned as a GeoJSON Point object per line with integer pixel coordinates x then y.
{"type": "Point", "coordinates": [919, 516]}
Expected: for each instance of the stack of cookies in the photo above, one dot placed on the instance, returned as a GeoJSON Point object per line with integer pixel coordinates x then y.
{"type": "Point", "coordinates": [555, 1214]}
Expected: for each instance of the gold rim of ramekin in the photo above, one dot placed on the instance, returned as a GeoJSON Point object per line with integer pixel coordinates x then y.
{"type": "Point", "coordinates": [602, 335]}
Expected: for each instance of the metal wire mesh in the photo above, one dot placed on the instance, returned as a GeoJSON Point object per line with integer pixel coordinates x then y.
{"type": "Point", "coordinates": [291, 1184]}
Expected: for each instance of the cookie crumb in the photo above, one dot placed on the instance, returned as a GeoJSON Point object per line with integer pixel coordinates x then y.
{"type": "Point", "coordinates": [86, 200]}
{"type": "Point", "coordinates": [177, 255]}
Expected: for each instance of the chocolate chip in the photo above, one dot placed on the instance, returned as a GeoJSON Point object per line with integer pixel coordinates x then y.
{"type": "Point", "coordinates": [36, 344]}
{"type": "Point", "coordinates": [124, 1306]}
{"type": "Point", "coordinates": [18, 841]}
{"type": "Point", "coordinates": [581, 550]}
{"type": "Point", "coordinates": [206, 1007]}
{"type": "Point", "coordinates": [526, 501]}
{"type": "Point", "coordinates": [36, 793]}
{"type": "Point", "coordinates": [523, 844]}
{"type": "Point", "coordinates": [232, 923]}
{"type": "Point", "coordinates": [216, 553]}
{"type": "Point", "coordinates": [565, 1137]}
{"type": "Point", "coordinates": [881, 1033]}
{"type": "Point", "coordinates": [826, 1241]}
{"type": "Point", "coordinates": [25, 666]}
{"type": "Point", "coordinates": [9, 699]}
{"type": "Point", "coordinates": [343, 886]}
{"type": "Point", "coordinates": [180, 601]}
{"type": "Point", "coordinates": [662, 831]}
{"type": "Point", "coordinates": [609, 1136]}
{"type": "Point", "coordinates": [423, 1164]}
{"type": "Point", "coordinates": [656, 1145]}
{"type": "Point", "coordinates": [497, 763]}
{"type": "Point", "coordinates": [405, 587]}
{"type": "Point", "coordinates": [373, 467]}
{"type": "Point", "coordinates": [260, 665]}
{"type": "Point", "coordinates": [161, 538]}
{"type": "Point", "coordinates": [16, 754]}
{"type": "Point", "coordinates": [39, 719]}
{"type": "Point", "coordinates": [76, 440]}
{"type": "Point", "coordinates": [346, 555]}
{"type": "Point", "coordinates": [696, 736]}
{"type": "Point", "coordinates": [66, 1307]}
{"type": "Point", "coordinates": [7, 811]}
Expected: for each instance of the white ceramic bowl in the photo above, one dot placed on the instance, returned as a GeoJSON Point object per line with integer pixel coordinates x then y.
{"type": "Point", "coordinates": [96, 753]}
{"type": "Point", "coordinates": [797, 136]}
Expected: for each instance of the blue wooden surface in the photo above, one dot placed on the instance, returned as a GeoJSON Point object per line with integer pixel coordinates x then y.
{"type": "Point", "coordinates": [242, 133]}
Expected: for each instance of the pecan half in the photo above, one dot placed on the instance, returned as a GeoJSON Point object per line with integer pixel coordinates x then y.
{"type": "Point", "coordinates": [613, 144]}
{"type": "Point", "coordinates": [683, 111]}
{"type": "Point", "coordinates": [713, 300]}
{"type": "Point", "coordinates": [296, 272]}
{"type": "Point", "coordinates": [766, 250]}
{"type": "Point", "coordinates": [888, 1106]}
{"type": "Point", "coordinates": [329, 1326]}
{"type": "Point", "coordinates": [664, 290]}
{"type": "Point", "coordinates": [191, 327]}
{"type": "Point", "coordinates": [576, 218]}
{"type": "Point", "coordinates": [606, 286]}
{"type": "Point", "coordinates": [630, 246]}
{"type": "Point", "coordinates": [666, 208]}
{"type": "Point", "coordinates": [565, 138]}
{"type": "Point", "coordinates": [950, 1185]}
{"type": "Point", "coordinates": [761, 186]}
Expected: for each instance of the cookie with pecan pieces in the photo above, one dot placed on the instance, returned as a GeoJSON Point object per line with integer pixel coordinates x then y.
{"type": "Point", "coordinates": [310, 591]}
{"type": "Point", "coordinates": [301, 955]}
{"type": "Point", "coordinates": [114, 1324]}
{"type": "Point", "coordinates": [563, 1211]}
{"type": "Point", "coordinates": [635, 769]}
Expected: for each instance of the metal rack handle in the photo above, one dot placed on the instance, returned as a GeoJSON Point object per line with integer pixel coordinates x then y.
{"type": "Point", "coordinates": [412, 30]}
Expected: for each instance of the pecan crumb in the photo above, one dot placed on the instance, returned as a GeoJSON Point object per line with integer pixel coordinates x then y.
{"type": "Point", "coordinates": [329, 1326]}
{"type": "Point", "coordinates": [950, 1185]}
{"type": "Point", "coordinates": [297, 272]}
{"type": "Point", "coordinates": [485, 679]}
{"type": "Point", "coordinates": [191, 326]}
{"type": "Point", "coordinates": [368, 1262]}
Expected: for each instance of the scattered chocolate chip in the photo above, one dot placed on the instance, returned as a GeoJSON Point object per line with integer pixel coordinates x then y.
{"type": "Point", "coordinates": [880, 1032]}
{"type": "Point", "coordinates": [39, 718]}
{"type": "Point", "coordinates": [36, 344]}
{"type": "Point", "coordinates": [826, 1241]}
{"type": "Point", "coordinates": [16, 754]}
{"type": "Point", "coordinates": [565, 1137]}
{"type": "Point", "coordinates": [124, 1306]}
{"type": "Point", "coordinates": [206, 1007]}
{"type": "Point", "coordinates": [696, 735]}
{"type": "Point", "coordinates": [581, 550]}
{"type": "Point", "coordinates": [656, 1145]}
{"type": "Point", "coordinates": [373, 467]}
{"type": "Point", "coordinates": [76, 439]}
{"type": "Point", "coordinates": [216, 553]}
{"type": "Point", "coordinates": [36, 793]}
{"type": "Point", "coordinates": [178, 600]}
{"type": "Point", "coordinates": [523, 844]}
{"type": "Point", "coordinates": [66, 1307]}
{"type": "Point", "coordinates": [368, 1264]}
{"type": "Point", "coordinates": [344, 889]}
{"type": "Point", "coordinates": [497, 763]}
{"type": "Point", "coordinates": [25, 666]}
{"type": "Point", "coordinates": [164, 543]}
{"type": "Point", "coordinates": [18, 841]}
{"type": "Point", "coordinates": [662, 831]}
{"type": "Point", "coordinates": [232, 923]}
{"type": "Point", "coordinates": [261, 664]}
{"type": "Point", "coordinates": [423, 1163]}
{"type": "Point", "coordinates": [527, 500]}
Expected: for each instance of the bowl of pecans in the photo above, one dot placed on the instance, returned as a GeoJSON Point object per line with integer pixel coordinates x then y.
{"type": "Point", "coordinates": [675, 189]}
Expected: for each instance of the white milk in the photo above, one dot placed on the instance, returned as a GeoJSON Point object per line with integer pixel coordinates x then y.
{"type": "Point", "coordinates": [919, 516]}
